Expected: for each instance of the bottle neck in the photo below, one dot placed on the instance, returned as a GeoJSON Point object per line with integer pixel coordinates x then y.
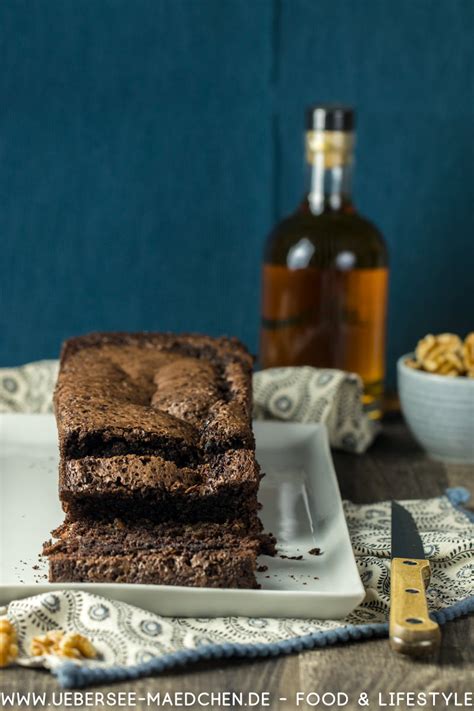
{"type": "Point", "coordinates": [329, 161]}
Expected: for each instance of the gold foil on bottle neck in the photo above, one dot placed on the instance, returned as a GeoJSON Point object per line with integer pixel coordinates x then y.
{"type": "Point", "coordinates": [329, 148]}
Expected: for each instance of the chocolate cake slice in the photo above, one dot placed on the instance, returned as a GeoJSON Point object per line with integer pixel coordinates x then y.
{"type": "Point", "coordinates": [156, 425]}
{"type": "Point", "coordinates": [200, 554]}
{"type": "Point", "coordinates": [180, 397]}
{"type": "Point", "coordinates": [133, 487]}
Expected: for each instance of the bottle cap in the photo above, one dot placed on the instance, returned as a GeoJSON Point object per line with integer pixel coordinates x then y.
{"type": "Point", "coordinates": [330, 117]}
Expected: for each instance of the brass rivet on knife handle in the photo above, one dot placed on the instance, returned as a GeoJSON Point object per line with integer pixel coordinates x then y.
{"type": "Point", "coordinates": [411, 629]}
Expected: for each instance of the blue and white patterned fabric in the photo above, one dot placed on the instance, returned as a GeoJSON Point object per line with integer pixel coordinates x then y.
{"type": "Point", "coordinates": [306, 394]}
{"type": "Point", "coordinates": [134, 643]}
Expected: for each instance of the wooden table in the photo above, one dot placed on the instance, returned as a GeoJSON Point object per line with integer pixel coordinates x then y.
{"type": "Point", "coordinates": [394, 468]}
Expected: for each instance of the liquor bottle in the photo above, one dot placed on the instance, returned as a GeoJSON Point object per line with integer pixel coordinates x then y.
{"type": "Point", "coordinates": [325, 273]}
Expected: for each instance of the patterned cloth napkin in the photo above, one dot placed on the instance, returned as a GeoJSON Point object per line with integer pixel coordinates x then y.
{"type": "Point", "coordinates": [307, 394]}
{"type": "Point", "coordinates": [301, 394]}
{"type": "Point", "coordinates": [133, 643]}
{"type": "Point", "coordinates": [28, 388]}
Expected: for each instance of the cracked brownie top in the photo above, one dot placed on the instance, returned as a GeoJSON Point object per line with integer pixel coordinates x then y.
{"type": "Point", "coordinates": [183, 397]}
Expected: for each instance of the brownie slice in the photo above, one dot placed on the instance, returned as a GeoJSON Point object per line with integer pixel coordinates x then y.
{"type": "Point", "coordinates": [156, 425]}
{"type": "Point", "coordinates": [201, 554]}
{"type": "Point", "coordinates": [179, 397]}
{"type": "Point", "coordinates": [132, 487]}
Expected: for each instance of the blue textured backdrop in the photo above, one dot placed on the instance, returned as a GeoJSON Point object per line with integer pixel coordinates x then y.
{"type": "Point", "coordinates": [147, 147]}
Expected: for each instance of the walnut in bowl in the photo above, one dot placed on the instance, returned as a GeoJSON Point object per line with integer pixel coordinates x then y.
{"type": "Point", "coordinates": [444, 354]}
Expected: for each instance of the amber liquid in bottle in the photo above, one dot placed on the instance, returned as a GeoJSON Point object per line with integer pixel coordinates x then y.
{"type": "Point", "coordinates": [325, 277]}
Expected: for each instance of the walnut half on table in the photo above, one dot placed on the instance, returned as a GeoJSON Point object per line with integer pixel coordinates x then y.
{"type": "Point", "coordinates": [61, 644]}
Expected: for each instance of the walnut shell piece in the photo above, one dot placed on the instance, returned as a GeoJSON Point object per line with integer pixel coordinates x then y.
{"type": "Point", "coordinates": [8, 643]}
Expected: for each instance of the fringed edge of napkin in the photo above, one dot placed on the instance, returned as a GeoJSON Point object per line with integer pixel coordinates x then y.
{"type": "Point", "coordinates": [72, 676]}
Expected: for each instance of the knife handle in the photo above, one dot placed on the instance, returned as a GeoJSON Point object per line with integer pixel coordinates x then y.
{"type": "Point", "coordinates": [411, 629]}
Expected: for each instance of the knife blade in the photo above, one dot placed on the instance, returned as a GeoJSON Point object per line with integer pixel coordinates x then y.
{"type": "Point", "coordinates": [411, 630]}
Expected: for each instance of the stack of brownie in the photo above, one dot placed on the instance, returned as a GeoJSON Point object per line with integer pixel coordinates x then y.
{"type": "Point", "coordinates": [158, 476]}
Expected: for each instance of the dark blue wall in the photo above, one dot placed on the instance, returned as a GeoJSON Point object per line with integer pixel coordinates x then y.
{"type": "Point", "coordinates": [146, 147]}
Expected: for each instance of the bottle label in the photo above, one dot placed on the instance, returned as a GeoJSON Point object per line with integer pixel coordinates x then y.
{"type": "Point", "coordinates": [330, 149]}
{"type": "Point", "coordinates": [325, 318]}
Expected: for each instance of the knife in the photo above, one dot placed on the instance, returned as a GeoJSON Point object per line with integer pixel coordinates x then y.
{"type": "Point", "coordinates": [411, 630]}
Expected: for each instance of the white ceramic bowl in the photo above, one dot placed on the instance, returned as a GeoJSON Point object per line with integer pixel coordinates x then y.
{"type": "Point", "coordinates": [439, 411]}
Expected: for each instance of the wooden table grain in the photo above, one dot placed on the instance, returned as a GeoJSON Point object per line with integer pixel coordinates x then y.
{"type": "Point", "coordinates": [395, 467]}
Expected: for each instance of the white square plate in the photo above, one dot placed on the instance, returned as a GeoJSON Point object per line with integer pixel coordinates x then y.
{"type": "Point", "coordinates": [301, 506]}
